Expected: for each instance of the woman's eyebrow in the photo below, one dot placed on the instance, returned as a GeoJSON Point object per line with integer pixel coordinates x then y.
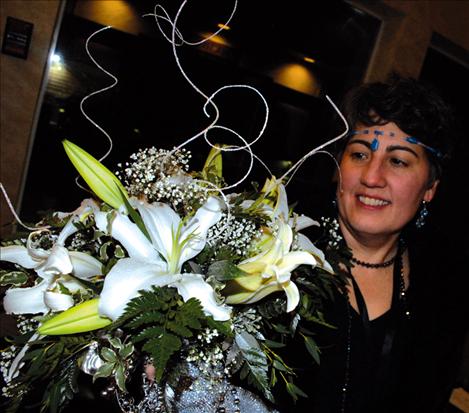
{"type": "Point", "coordinates": [361, 141]}
{"type": "Point", "coordinates": [401, 148]}
{"type": "Point", "coordinates": [388, 149]}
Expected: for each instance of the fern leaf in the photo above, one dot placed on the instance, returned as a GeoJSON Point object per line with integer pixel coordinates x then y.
{"type": "Point", "coordinates": [148, 317]}
{"type": "Point", "coordinates": [255, 367]}
{"type": "Point", "coordinates": [179, 329]}
{"type": "Point", "coordinates": [161, 320]}
{"type": "Point", "coordinates": [190, 313]}
{"type": "Point", "coordinates": [150, 332]}
{"type": "Point", "coordinates": [155, 299]}
{"type": "Point", "coordinates": [161, 349]}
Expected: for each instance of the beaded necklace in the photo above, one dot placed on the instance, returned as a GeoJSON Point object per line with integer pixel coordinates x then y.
{"type": "Point", "coordinates": [365, 264]}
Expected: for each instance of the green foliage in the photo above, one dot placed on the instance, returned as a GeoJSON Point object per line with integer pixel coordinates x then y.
{"type": "Point", "coordinates": [115, 360]}
{"type": "Point", "coordinates": [14, 278]}
{"type": "Point", "coordinates": [312, 348]}
{"type": "Point", "coordinates": [50, 362]}
{"type": "Point", "coordinates": [161, 320]}
{"type": "Point", "coordinates": [255, 367]}
{"type": "Point", "coordinates": [62, 388]}
{"type": "Point", "coordinates": [294, 390]}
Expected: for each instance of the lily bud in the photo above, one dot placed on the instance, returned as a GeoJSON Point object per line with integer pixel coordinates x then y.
{"type": "Point", "coordinates": [214, 163]}
{"type": "Point", "coordinates": [100, 179]}
{"type": "Point", "coordinates": [78, 319]}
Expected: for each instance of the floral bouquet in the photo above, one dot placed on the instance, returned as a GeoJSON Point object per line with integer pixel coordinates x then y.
{"type": "Point", "coordinates": [163, 277]}
{"type": "Point", "coordinates": [163, 289]}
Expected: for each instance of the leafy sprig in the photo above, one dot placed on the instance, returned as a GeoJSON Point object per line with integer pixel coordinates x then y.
{"type": "Point", "coordinates": [116, 359]}
{"type": "Point", "coordinates": [161, 321]}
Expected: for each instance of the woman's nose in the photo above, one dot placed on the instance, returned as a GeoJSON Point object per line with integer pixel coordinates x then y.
{"type": "Point", "coordinates": [373, 174]}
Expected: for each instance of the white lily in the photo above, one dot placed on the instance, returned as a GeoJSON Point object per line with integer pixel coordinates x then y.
{"type": "Point", "coordinates": [53, 266]}
{"type": "Point", "coordinates": [158, 262]}
{"type": "Point", "coordinates": [270, 271]}
{"type": "Point", "coordinates": [280, 210]}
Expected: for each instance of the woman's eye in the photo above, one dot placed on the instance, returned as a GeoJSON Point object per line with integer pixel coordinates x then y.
{"type": "Point", "coordinates": [398, 162]}
{"type": "Point", "coordinates": [358, 156]}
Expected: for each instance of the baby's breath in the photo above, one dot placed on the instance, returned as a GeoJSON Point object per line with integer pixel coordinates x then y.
{"type": "Point", "coordinates": [7, 355]}
{"type": "Point", "coordinates": [234, 233]}
{"type": "Point", "coordinates": [332, 227]}
{"type": "Point", "coordinates": [206, 351]}
{"type": "Point", "coordinates": [150, 165]}
{"type": "Point", "coordinates": [160, 175]}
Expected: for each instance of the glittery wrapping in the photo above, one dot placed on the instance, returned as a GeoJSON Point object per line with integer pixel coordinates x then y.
{"type": "Point", "coordinates": [188, 389]}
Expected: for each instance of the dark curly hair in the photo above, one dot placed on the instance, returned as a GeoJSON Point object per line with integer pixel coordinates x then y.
{"type": "Point", "coordinates": [416, 108]}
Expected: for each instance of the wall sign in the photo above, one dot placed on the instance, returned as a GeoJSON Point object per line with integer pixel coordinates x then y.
{"type": "Point", "coordinates": [17, 37]}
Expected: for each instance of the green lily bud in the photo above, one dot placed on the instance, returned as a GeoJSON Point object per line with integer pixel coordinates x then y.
{"type": "Point", "coordinates": [78, 319]}
{"type": "Point", "coordinates": [214, 162]}
{"type": "Point", "coordinates": [100, 179]}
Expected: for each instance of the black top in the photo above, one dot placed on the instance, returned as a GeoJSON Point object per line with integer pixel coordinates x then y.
{"type": "Point", "coordinates": [397, 364]}
{"type": "Point", "coordinates": [361, 359]}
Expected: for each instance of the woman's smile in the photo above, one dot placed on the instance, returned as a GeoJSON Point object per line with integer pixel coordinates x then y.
{"type": "Point", "coordinates": [373, 202]}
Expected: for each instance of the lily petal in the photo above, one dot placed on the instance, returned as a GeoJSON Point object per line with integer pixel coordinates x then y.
{"type": "Point", "coordinates": [58, 262]}
{"type": "Point", "coordinates": [306, 245]}
{"type": "Point", "coordinates": [193, 285]}
{"type": "Point", "coordinates": [293, 295]}
{"type": "Point", "coordinates": [197, 227]}
{"type": "Point", "coordinates": [294, 259]}
{"type": "Point", "coordinates": [208, 214]}
{"type": "Point", "coordinates": [70, 283]}
{"type": "Point", "coordinates": [302, 221]}
{"type": "Point", "coordinates": [85, 266]}
{"type": "Point", "coordinates": [252, 297]}
{"type": "Point", "coordinates": [258, 263]}
{"type": "Point", "coordinates": [281, 208]}
{"type": "Point", "coordinates": [285, 235]}
{"type": "Point", "coordinates": [18, 254]}
{"type": "Point", "coordinates": [86, 207]}
{"type": "Point", "coordinates": [28, 300]}
{"type": "Point", "coordinates": [68, 230]}
{"type": "Point", "coordinates": [57, 301]}
{"type": "Point", "coordinates": [125, 280]}
{"type": "Point", "coordinates": [161, 223]}
{"type": "Point", "coordinates": [128, 234]}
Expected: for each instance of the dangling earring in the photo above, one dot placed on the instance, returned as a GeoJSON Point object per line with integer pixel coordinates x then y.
{"type": "Point", "coordinates": [420, 222]}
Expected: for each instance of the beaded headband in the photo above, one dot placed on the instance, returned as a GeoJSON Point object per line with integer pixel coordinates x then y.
{"type": "Point", "coordinates": [375, 143]}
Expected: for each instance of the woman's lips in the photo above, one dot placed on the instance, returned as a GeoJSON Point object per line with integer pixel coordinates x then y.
{"type": "Point", "coordinates": [372, 202]}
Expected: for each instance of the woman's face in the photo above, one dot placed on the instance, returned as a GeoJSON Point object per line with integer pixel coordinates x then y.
{"type": "Point", "coordinates": [384, 181]}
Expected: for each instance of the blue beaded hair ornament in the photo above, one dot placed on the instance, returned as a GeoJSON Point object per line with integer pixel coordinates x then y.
{"type": "Point", "coordinates": [411, 139]}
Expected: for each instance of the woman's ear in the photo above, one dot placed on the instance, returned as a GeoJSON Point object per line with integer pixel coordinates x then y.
{"type": "Point", "coordinates": [431, 191]}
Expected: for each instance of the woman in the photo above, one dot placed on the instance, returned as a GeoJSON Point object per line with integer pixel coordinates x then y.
{"type": "Point", "coordinates": [398, 326]}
